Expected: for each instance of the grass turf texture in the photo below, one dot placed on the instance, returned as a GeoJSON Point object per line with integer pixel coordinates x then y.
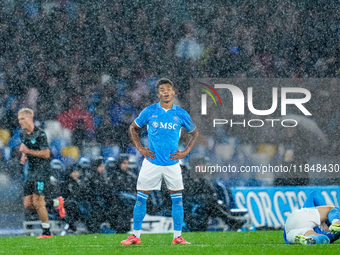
{"type": "Point", "coordinates": [258, 242]}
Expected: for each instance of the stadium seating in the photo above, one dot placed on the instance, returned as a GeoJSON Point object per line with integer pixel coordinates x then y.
{"type": "Point", "coordinates": [7, 153]}
{"type": "Point", "coordinates": [71, 151]}
{"type": "Point", "coordinates": [269, 149]}
{"type": "Point", "coordinates": [227, 149]}
{"type": "Point", "coordinates": [34, 227]}
{"type": "Point", "coordinates": [14, 141]}
{"type": "Point", "coordinates": [67, 161]}
{"type": "Point", "coordinates": [110, 151]}
{"type": "Point", "coordinates": [54, 130]}
{"type": "Point", "coordinates": [91, 151]}
{"type": "Point", "coordinates": [56, 145]}
{"type": "Point", "coordinates": [5, 135]}
{"type": "Point", "coordinates": [132, 150]}
{"type": "Point", "coordinates": [84, 160]}
{"type": "Point", "coordinates": [58, 168]}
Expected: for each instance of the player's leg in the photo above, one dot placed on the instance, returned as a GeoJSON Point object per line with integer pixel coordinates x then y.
{"type": "Point", "coordinates": [324, 213]}
{"type": "Point", "coordinates": [28, 195]}
{"type": "Point", "coordinates": [40, 190]}
{"type": "Point", "coordinates": [333, 236]}
{"type": "Point", "coordinates": [150, 178]}
{"type": "Point", "coordinates": [139, 213]}
{"type": "Point", "coordinates": [320, 236]}
{"type": "Point", "coordinates": [334, 218]}
{"type": "Point", "coordinates": [177, 216]}
{"type": "Point", "coordinates": [177, 211]}
{"type": "Point", "coordinates": [300, 224]}
{"type": "Point", "coordinates": [173, 179]}
{"type": "Point", "coordinates": [28, 202]}
{"type": "Point", "coordinates": [331, 214]}
{"type": "Point", "coordinates": [311, 237]}
{"type": "Point", "coordinates": [40, 207]}
{"type": "Point", "coordinates": [313, 200]}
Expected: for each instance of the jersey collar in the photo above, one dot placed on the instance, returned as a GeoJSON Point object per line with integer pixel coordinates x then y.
{"type": "Point", "coordinates": [173, 106]}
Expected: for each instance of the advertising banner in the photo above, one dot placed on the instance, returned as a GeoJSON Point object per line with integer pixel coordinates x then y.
{"type": "Point", "coordinates": [270, 206]}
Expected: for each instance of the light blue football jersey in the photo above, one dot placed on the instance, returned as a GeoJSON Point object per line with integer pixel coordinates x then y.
{"type": "Point", "coordinates": [164, 130]}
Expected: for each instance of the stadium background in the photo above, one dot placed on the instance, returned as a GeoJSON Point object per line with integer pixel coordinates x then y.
{"type": "Point", "coordinates": [104, 58]}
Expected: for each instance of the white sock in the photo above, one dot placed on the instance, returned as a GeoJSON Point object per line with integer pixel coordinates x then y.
{"type": "Point", "coordinates": [177, 233]}
{"type": "Point", "coordinates": [45, 225]}
{"type": "Point", "coordinates": [335, 221]}
{"type": "Point", "coordinates": [137, 233]}
{"type": "Point", "coordinates": [55, 202]}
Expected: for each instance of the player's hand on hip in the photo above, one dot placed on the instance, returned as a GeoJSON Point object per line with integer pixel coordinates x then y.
{"type": "Point", "coordinates": [177, 155]}
{"type": "Point", "coordinates": [147, 153]}
{"type": "Point", "coordinates": [23, 148]}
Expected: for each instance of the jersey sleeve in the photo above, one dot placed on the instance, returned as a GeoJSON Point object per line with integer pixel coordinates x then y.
{"type": "Point", "coordinates": [187, 122]}
{"type": "Point", "coordinates": [143, 118]}
{"type": "Point", "coordinates": [42, 141]}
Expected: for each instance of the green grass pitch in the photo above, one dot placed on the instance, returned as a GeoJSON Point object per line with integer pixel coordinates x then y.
{"type": "Point", "coordinates": [258, 242]}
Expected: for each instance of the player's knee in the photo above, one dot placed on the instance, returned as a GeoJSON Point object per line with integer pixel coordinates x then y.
{"type": "Point", "coordinates": [334, 215]}
{"type": "Point", "coordinates": [145, 191]}
{"type": "Point", "coordinates": [28, 205]}
{"type": "Point", "coordinates": [38, 203]}
{"type": "Point", "coordinates": [175, 191]}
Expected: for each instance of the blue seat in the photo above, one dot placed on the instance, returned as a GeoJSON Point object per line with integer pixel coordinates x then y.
{"type": "Point", "coordinates": [82, 161]}
{"type": "Point", "coordinates": [132, 150]}
{"type": "Point", "coordinates": [110, 151]}
{"type": "Point", "coordinates": [7, 153]}
{"type": "Point", "coordinates": [58, 168]}
{"type": "Point", "coordinates": [67, 160]}
{"type": "Point", "coordinates": [14, 141]}
{"type": "Point", "coordinates": [57, 144]}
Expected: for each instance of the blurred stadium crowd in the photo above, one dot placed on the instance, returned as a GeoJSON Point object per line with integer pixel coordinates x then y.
{"type": "Point", "coordinates": [87, 68]}
{"type": "Point", "coordinates": [101, 194]}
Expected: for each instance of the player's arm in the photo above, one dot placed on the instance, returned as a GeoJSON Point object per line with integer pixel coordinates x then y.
{"type": "Point", "coordinates": [23, 159]}
{"type": "Point", "coordinates": [23, 155]}
{"type": "Point", "coordinates": [181, 154]}
{"type": "Point", "coordinates": [45, 153]}
{"type": "Point", "coordinates": [135, 140]}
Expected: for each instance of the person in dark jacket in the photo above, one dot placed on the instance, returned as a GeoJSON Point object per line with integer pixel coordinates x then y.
{"type": "Point", "coordinates": [123, 182]}
{"type": "Point", "coordinates": [101, 196]}
{"type": "Point", "coordinates": [76, 199]}
{"type": "Point", "coordinates": [202, 202]}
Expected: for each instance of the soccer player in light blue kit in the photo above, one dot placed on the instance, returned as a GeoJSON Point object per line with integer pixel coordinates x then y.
{"type": "Point", "coordinates": [314, 223]}
{"type": "Point", "coordinates": [164, 121]}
